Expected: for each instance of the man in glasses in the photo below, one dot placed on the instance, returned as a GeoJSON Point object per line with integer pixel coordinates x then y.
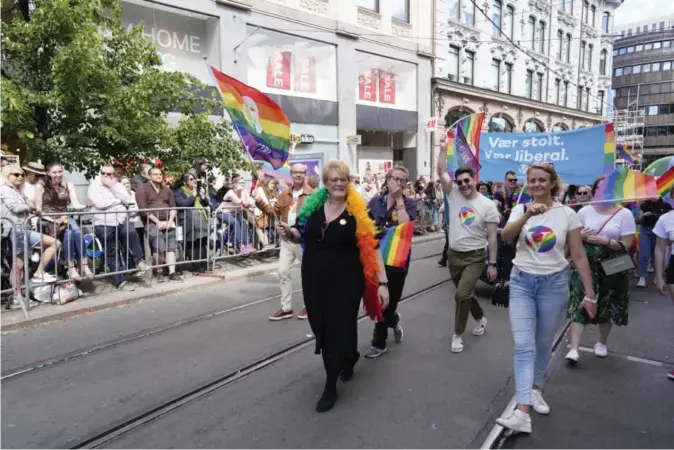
{"type": "Point", "coordinates": [289, 203]}
{"type": "Point", "coordinates": [390, 208]}
{"type": "Point", "coordinates": [506, 197]}
{"type": "Point", "coordinates": [473, 223]}
{"type": "Point", "coordinates": [583, 195]}
{"type": "Point", "coordinates": [112, 229]}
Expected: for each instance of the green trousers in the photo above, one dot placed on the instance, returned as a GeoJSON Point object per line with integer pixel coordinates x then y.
{"type": "Point", "coordinates": [465, 269]}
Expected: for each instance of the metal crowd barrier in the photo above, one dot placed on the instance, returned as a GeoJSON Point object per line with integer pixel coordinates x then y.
{"type": "Point", "coordinates": [114, 244]}
{"type": "Point", "coordinates": [425, 221]}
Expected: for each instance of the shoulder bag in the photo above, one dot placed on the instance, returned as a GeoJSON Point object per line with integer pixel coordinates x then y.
{"type": "Point", "coordinates": [617, 263]}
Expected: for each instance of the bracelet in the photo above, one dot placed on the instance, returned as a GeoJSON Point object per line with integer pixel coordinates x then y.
{"type": "Point", "coordinates": [590, 300]}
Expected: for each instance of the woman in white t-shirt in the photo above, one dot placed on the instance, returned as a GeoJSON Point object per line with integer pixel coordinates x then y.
{"type": "Point", "coordinates": [539, 286]}
{"type": "Point", "coordinates": [608, 231]}
{"type": "Point", "coordinates": [664, 230]}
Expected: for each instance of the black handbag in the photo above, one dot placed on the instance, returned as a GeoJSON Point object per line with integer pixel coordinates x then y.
{"type": "Point", "coordinates": [501, 296]}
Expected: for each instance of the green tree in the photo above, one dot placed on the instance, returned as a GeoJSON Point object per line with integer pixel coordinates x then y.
{"type": "Point", "coordinates": [81, 89]}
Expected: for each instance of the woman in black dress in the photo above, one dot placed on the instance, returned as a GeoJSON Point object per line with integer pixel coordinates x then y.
{"type": "Point", "coordinates": [339, 268]}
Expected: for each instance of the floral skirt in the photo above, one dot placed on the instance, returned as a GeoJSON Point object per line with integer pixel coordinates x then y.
{"type": "Point", "coordinates": [612, 292]}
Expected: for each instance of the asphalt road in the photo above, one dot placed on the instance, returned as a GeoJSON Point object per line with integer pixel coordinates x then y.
{"type": "Point", "coordinates": [418, 395]}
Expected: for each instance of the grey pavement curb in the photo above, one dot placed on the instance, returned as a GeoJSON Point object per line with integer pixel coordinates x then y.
{"type": "Point", "coordinates": [215, 278]}
{"type": "Point", "coordinates": [117, 303]}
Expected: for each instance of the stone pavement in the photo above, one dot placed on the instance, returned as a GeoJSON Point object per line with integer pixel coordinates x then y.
{"type": "Point", "coordinates": [104, 296]}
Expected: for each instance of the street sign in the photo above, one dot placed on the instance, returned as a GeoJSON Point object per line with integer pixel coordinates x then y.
{"type": "Point", "coordinates": [354, 140]}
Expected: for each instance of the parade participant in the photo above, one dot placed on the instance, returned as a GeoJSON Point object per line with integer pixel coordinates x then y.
{"type": "Point", "coordinates": [539, 286]}
{"type": "Point", "coordinates": [388, 209]}
{"type": "Point", "coordinates": [473, 226]}
{"type": "Point", "coordinates": [289, 203]}
{"type": "Point", "coordinates": [649, 213]}
{"type": "Point", "coordinates": [341, 265]}
{"type": "Point", "coordinates": [607, 232]}
{"type": "Point", "coordinates": [507, 196]}
{"type": "Point", "coordinates": [664, 230]}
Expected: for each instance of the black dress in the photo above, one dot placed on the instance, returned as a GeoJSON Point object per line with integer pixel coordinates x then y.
{"type": "Point", "coordinates": [333, 284]}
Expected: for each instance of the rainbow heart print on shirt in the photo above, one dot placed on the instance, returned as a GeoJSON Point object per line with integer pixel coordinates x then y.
{"type": "Point", "coordinates": [540, 238]}
{"type": "Point", "coordinates": [466, 216]}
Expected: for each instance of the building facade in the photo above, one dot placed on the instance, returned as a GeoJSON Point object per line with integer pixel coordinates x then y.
{"type": "Point", "coordinates": [556, 75]}
{"type": "Point", "coordinates": [643, 82]}
{"type": "Point", "coordinates": [338, 68]}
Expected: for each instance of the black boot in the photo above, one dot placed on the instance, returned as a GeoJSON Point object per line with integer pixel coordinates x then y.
{"type": "Point", "coordinates": [347, 371]}
{"type": "Point", "coordinates": [333, 367]}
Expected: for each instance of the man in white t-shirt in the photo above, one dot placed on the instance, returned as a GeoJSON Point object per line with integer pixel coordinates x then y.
{"type": "Point", "coordinates": [287, 207]}
{"type": "Point", "coordinates": [473, 223]}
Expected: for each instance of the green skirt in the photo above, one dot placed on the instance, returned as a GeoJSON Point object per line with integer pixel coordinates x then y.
{"type": "Point", "coordinates": [612, 292]}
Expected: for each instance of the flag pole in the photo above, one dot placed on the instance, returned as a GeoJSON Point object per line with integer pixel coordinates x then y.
{"type": "Point", "coordinates": [599, 202]}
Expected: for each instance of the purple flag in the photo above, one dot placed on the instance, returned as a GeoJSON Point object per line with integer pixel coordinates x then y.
{"type": "Point", "coordinates": [464, 155]}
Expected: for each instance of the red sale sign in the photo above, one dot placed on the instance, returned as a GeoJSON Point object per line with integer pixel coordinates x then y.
{"type": "Point", "coordinates": [278, 70]}
{"type": "Point", "coordinates": [367, 88]}
{"type": "Point", "coordinates": [305, 74]}
{"type": "Point", "coordinates": [387, 87]}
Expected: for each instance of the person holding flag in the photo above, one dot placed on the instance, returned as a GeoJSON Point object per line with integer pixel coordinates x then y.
{"type": "Point", "coordinates": [472, 225]}
{"type": "Point", "coordinates": [393, 214]}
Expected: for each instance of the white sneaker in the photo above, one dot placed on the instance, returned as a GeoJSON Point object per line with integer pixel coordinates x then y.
{"type": "Point", "coordinates": [457, 344]}
{"type": "Point", "coordinates": [516, 421]}
{"type": "Point", "coordinates": [479, 328]}
{"type": "Point", "coordinates": [641, 282]}
{"type": "Point", "coordinates": [573, 356]}
{"type": "Point", "coordinates": [539, 403]}
{"type": "Point", "coordinates": [600, 350]}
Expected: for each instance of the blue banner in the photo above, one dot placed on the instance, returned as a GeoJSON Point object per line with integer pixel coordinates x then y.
{"type": "Point", "coordinates": [578, 155]}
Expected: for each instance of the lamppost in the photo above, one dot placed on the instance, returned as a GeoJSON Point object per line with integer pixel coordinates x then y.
{"type": "Point", "coordinates": [439, 107]}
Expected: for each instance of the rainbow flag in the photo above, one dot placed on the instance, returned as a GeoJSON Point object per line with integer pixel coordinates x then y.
{"type": "Point", "coordinates": [623, 152]}
{"type": "Point", "coordinates": [282, 174]}
{"type": "Point", "coordinates": [609, 148]}
{"type": "Point", "coordinates": [396, 244]}
{"type": "Point", "coordinates": [524, 196]}
{"type": "Point", "coordinates": [624, 184]}
{"type": "Point", "coordinates": [665, 182]}
{"type": "Point", "coordinates": [261, 124]}
{"type": "Point", "coordinates": [463, 149]}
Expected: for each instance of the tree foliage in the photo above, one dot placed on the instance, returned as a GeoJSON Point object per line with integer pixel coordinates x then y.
{"type": "Point", "coordinates": [81, 89]}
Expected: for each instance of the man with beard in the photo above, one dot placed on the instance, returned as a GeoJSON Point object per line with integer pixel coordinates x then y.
{"type": "Point", "coordinates": [472, 225]}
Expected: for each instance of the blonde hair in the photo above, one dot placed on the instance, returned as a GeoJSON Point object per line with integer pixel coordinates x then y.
{"type": "Point", "coordinates": [339, 166]}
{"type": "Point", "coordinates": [550, 169]}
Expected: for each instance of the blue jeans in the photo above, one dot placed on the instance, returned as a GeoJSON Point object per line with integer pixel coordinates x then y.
{"type": "Point", "coordinates": [434, 213]}
{"type": "Point", "coordinates": [536, 304]}
{"type": "Point", "coordinates": [237, 228]}
{"type": "Point", "coordinates": [646, 248]}
{"type": "Point", "coordinates": [72, 240]}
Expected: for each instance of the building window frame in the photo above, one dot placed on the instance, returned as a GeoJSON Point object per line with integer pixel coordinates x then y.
{"type": "Point", "coordinates": [585, 12]}
{"type": "Point", "coordinates": [540, 78]}
{"type": "Point", "coordinates": [593, 15]}
{"type": "Point", "coordinates": [603, 59]}
{"type": "Point", "coordinates": [470, 56]}
{"type": "Point", "coordinates": [541, 37]}
{"type": "Point", "coordinates": [590, 55]}
{"type": "Point", "coordinates": [508, 81]}
{"type": "Point", "coordinates": [583, 47]}
{"type": "Point", "coordinates": [495, 75]}
{"type": "Point", "coordinates": [376, 5]}
{"type": "Point", "coordinates": [600, 101]}
{"type": "Point", "coordinates": [560, 40]}
{"type": "Point", "coordinates": [606, 22]}
{"type": "Point", "coordinates": [497, 17]}
{"type": "Point", "coordinates": [509, 22]}
{"type": "Point", "coordinates": [454, 63]}
{"type": "Point", "coordinates": [558, 84]}
{"type": "Point", "coordinates": [529, 84]}
{"type": "Point", "coordinates": [568, 48]}
{"type": "Point", "coordinates": [407, 15]}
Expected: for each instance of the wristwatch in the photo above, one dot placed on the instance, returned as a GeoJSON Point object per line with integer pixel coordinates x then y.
{"type": "Point", "coordinates": [492, 264]}
{"type": "Point", "coordinates": [383, 283]}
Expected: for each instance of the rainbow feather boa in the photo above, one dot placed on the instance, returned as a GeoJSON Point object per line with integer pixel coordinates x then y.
{"type": "Point", "coordinates": [365, 236]}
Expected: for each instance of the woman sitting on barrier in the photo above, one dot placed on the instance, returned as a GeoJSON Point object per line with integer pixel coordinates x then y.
{"type": "Point", "coordinates": [608, 230]}
{"type": "Point", "coordinates": [231, 212]}
{"type": "Point", "coordinates": [539, 286]}
{"type": "Point", "coordinates": [15, 208]}
{"type": "Point", "coordinates": [340, 265]}
{"type": "Point", "coordinates": [53, 197]}
{"type": "Point", "coordinates": [194, 222]}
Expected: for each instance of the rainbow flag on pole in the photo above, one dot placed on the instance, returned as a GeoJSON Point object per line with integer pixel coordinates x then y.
{"type": "Point", "coordinates": [396, 244]}
{"type": "Point", "coordinates": [623, 151]}
{"type": "Point", "coordinates": [463, 148]}
{"type": "Point", "coordinates": [624, 184]}
{"type": "Point", "coordinates": [261, 124]}
{"type": "Point", "coordinates": [665, 182]}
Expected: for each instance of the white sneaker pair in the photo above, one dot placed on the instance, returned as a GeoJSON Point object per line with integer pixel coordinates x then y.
{"type": "Point", "coordinates": [457, 341]}
{"type": "Point", "coordinates": [520, 421]}
{"type": "Point", "coordinates": [600, 351]}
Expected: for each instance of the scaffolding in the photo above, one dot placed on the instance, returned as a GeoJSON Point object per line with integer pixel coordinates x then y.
{"type": "Point", "coordinates": [629, 126]}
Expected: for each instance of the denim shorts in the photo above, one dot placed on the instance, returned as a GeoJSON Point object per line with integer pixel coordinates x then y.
{"type": "Point", "coordinates": [34, 238]}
